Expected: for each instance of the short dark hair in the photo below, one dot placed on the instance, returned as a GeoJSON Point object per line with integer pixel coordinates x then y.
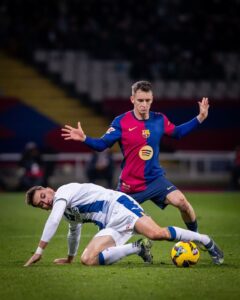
{"type": "Point", "coordinates": [142, 85]}
{"type": "Point", "coordinates": [30, 194]}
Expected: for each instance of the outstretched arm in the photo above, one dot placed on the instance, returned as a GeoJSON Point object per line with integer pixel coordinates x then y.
{"type": "Point", "coordinates": [49, 231]}
{"type": "Point", "coordinates": [185, 128]}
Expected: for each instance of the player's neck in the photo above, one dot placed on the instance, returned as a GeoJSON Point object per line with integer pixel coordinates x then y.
{"type": "Point", "coordinates": [139, 116]}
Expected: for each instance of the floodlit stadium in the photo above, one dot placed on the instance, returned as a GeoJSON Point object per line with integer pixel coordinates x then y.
{"type": "Point", "coordinates": [175, 141]}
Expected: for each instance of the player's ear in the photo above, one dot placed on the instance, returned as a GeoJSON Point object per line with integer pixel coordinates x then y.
{"type": "Point", "coordinates": [132, 99]}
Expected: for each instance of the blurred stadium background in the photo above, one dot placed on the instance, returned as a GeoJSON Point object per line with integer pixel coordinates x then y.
{"type": "Point", "coordinates": [64, 61]}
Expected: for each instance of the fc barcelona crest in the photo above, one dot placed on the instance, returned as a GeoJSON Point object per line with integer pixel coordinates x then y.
{"type": "Point", "coordinates": [146, 133]}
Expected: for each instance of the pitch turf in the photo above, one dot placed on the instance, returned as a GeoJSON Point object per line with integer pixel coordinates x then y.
{"type": "Point", "coordinates": [21, 227]}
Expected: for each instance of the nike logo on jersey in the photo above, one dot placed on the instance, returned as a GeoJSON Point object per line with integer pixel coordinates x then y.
{"type": "Point", "coordinates": [131, 129]}
{"type": "Point", "coordinates": [169, 187]}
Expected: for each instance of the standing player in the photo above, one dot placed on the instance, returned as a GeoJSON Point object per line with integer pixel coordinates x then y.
{"type": "Point", "coordinates": [139, 133]}
{"type": "Point", "coordinates": [118, 216]}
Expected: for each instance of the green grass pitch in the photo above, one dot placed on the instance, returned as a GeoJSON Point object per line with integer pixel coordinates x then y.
{"type": "Point", "coordinates": [21, 227]}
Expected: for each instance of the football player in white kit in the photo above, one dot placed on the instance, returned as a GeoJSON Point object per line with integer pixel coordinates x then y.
{"type": "Point", "coordinates": [118, 216]}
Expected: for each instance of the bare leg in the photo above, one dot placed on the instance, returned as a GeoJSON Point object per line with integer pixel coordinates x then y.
{"type": "Point", "coordinates": [95, 246]}
{"type": "Point", "coordinates": [177, 199]}
{"type": "Point", "coordinates": [102, 250]}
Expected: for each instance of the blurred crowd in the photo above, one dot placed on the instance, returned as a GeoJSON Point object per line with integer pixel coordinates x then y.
{"type": "Point", "coordinates": [163, 39]}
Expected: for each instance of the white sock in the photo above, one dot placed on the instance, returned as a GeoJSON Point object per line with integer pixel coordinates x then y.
{"type": "Point", "coordinates": [113, 254]}
{"type": "Point", "coordinates": [187, 235]}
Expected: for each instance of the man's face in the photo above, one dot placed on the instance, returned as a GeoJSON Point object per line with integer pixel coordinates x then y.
{"type": "Point", "coordinates": [43, 198]}
{"type": "Point", "coordinates": [142, 101]}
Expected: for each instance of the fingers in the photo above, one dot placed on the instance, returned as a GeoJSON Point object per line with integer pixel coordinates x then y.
{"type": "Point", "coordinates": [67, 127]}
{"type": "Point", "coordinates": [204, 101]}
{"type": "Point", "coordinates": [33, 260]}
{"type": "Point", "coordinates": [61, 261]}
{"type": "Point", "coordinates": [65, 130]}
{"type": "Point", "coordinates": [67, 138]}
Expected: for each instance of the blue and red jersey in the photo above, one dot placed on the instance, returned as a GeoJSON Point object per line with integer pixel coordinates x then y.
{"type": "Point", "coordinates": [139, 141]}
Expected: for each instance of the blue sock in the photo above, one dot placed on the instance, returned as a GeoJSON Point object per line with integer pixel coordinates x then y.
{"type": "Point", "coordinates": [209, 245]}
{"type": "Point", "coordinates": [172, 233]}
{"type": "Point", "coordinates": [101, 259]}
{"type": "Point", "coordinates": [193, 226]}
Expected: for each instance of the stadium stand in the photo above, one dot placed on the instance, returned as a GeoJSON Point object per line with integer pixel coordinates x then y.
{"type": "Point", "coordinates": [95, 50]}
{"type": "Point", "coordinates": [34, 109]}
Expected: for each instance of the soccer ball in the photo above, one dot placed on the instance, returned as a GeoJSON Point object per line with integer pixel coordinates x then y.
{"type": "Point", "coordinates": [185, 254]}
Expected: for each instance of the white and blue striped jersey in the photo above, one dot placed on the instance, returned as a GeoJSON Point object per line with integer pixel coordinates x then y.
{"type": "Point", "coordinates": [86, 202]}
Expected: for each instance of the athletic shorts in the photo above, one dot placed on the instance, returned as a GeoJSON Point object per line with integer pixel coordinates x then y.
{"type": "Point", "coordinates": [156, 191]}
{"type": "Point", "coordinates": [120, 226]}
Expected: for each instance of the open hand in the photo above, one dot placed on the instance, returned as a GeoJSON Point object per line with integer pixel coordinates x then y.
{"type": "Point", "coordinates": [63, 261]}
{"type": "Point", "coordinates": [33, 259]}
{"type": "Point", "coordinates": [203, 109]}
{"type": "Point", "coordinates": [71, 133]}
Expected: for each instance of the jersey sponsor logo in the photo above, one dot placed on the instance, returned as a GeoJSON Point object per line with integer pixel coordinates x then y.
{"type": "Point", "coordinates": [146, 133]}
{"type": "Point", "coordinates": [169, 187]}
{"type": "Point", "coordinates": [73, 214]}
{"type": "Point", "coordinates": [146, 152]}
{"type": "Point", "coordinates": [131, 129]}
{"type": "Point", "coordinates": [110, 130]}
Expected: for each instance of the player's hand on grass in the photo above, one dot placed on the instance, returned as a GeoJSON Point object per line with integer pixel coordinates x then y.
{"type": "Point", "coordinates": [71, 133]}
{"type": "Point", "coordinates": [203, 109]}
{"type": "Point", "coordinates": [63, 261]}
{"type": "Point", "coordinates": [33, 260]}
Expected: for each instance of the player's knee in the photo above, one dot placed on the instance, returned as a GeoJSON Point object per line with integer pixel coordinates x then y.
{"type": "Point", "coordinates": [183, 204]}
{"type": "Point", "coordinates": [87, 260]}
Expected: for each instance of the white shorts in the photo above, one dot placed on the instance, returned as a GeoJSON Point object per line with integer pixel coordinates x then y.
{"type": "Point", "coordinates": [121, 224]}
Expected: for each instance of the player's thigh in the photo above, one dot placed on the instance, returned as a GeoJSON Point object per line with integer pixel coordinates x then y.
{"type": "Point", "coordinates": [176, 198]}
{"type": "Point", "coordinates": [149, 228]}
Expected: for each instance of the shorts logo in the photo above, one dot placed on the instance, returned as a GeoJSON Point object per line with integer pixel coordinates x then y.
{"type": "Point", "coordinates": [146, 152]}
{"type": "Point", "coordinates": [110, 130]}
{"type": "Point", "coordinates": [146, 133]}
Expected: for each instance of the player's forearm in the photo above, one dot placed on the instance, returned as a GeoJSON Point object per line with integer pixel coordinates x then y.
{"type": "Point", "coordinates": [53, 220]}
{"type": "Point", "coordinates": [185, 128]}
{"type": "Point", "coordinates": [74, 235]}
{"type": "Point", "coordinates": [73, 245]}
{"type": "Point", "coordinates": [49, 230]}
{"type": "Point", "coordinates": [95, 144]}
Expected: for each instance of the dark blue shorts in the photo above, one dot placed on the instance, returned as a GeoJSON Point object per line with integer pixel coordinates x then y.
{"type": "Point", "coordinates": [156, 191]}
